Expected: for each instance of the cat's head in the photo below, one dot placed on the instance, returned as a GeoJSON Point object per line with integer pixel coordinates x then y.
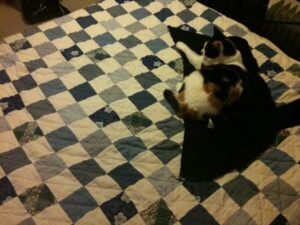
{"type": "Point", "coordinates": [221, 50]}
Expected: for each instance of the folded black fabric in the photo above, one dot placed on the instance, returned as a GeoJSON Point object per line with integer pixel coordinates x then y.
{"type": "Point", "coordinates": [35, 11]}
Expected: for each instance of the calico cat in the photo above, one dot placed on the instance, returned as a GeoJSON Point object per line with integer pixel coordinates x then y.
{"type": "Point", "coordinates": [242, 130]}
{"type": "Point", "coordinates": [215, 83]}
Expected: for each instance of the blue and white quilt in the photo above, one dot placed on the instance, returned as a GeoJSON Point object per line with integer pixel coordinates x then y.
{"type": "Point", "coordinates": [86, 136]}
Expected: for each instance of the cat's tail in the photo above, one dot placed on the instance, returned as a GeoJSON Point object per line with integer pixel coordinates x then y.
{"type": "Point", "coordinates": [288, 115]}
{"type": "Point", "coordinates": [172, 100]}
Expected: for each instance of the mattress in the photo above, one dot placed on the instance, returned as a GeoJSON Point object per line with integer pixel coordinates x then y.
{"type": "Point", "coordinates": [86, 136]}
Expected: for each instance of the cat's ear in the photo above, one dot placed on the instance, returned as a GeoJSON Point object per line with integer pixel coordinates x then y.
{"type": "Point", "coordinates": [218, 33]}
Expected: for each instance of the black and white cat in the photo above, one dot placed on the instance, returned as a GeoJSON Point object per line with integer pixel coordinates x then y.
{"type": "Point", "coordinates": [216, 81]}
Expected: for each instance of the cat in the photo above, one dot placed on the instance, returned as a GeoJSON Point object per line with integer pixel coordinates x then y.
{"type": "Point", "coordinates": [241, 131]}
{"type": "Point", "coordinates": [216, 81]}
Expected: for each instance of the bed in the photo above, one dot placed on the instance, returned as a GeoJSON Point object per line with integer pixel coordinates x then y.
{"type": "Point", "coordinates": [86, 136]}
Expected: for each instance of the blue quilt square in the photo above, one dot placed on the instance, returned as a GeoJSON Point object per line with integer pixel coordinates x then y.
{"type": "Point", "coordinates": [40, 108]}
{"type": "Point", "coordinates": [142, 99]}
{"type": "Point", "coordinates": [13, 159]}
{"type": "Point", "coordinates": [30, 31]}
{"type": "Point", "coordinates": [116, 11]}
{"type": "Point", "coordinates": [35, 64]}
{"type": "Point", "coordinates": [130, 147]}
{"type": "Point", "coordinates": [104, 117]}
{"type": "Point", "coordinates": [147, 79]}
{"type": "Point", "coordinates": [104, 39]}
{"type": "Point", "coordinates": [11, 103]}
{"type": "Point", "coordinates": [79, 36]}
{"type": "Point", "coordinates": [170, 126]}
{"type": "Point", "coordinates": [24, 83]}
{"type": "Point", "coordinates": [152, 62]}
{"type": "Point", "coordinates": [266, 50]}
{"type": "Point", "coordinates": [6, 190]}
{"type": "Point", "coordinates": [163, 14]}
{"type": "Point", "coordinates": [278, 161]}
{"type": "Point", "coordinates": [186, 15]}
{"type": "Point", "coordinates": [240, 189]}
{"type": "Point", "coordinates": [140, 13]}
{"type": "Point", "coordinates": [125, 175]}
{"type": "Point", "coordinates": [166, 150]}
{"type": "Point", "coordinates": [270, 68]}
{"type": "Point", "coordinates": [277, 88]}
{"type": "Point", "coordinates": [208, 29]}
{"type": "Point", "coordinates": [200, 214]}
{"type": "Point", "coordinates": [119, 209]}
{"type": "Point", "coordinates": [71, 52]}
{"type": "Point", "coordinates": [130, 41]}
{"type": "Point", "coordinates": [86, 171]}
{"type": "Point", "coordinates": [210, 15]}
{"type": "Point", "coordinates": [136, 122]}
{"type": "Point", "coordinates": [54, 33]}
{"type": "Point", "coordinates": [90, 71]}
{"type": "Point", "coordinates": [94, 8]}
{"type": "Point", "coordinates": [82, 91]}
{"type": "Point", "coordinates": [86, 21]}
{"type": "Point", "coordinates": [20, 45]}
{"type": "Point", "coordinates": [4, 78]}
{"type": "Point", "coordinates": [202, 190]}
{"type": "Point", "coordinates": [52, 87]}
{"type": "Point", "coordinates": [156, 45]}
{"type": "Point", "coordinates": [61, 138]}
{"type": "Point", "coordinates": [78, 204]}
{"type": "Point", "coordinates": [144, 3]}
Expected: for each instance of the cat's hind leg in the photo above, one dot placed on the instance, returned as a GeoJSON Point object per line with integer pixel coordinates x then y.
{"type": "Point", "coordinates": [194, 58]}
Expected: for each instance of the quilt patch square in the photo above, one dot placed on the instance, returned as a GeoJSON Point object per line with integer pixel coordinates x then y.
{"type": "Point", "coordinates": [130, 41]}
{"type": "Point", "coordinates": [90, 71]}
{"type": "Point", "coordinates": [86, 171]}
{"type": "Point", "coordinates": [37, 199]}
{"type": "Point", "coordinates": [79, 36]}
{"type": "Point", "coordinates": [71, 52]}
{"type": "Point", "coordinates": [104, 117]}
{"type": "Point", "coordinates": [240, 189]}
{"type": "Point", "coordinates": [11, 103]}
{"type": "Point", "coordinates": [27, 132]}
{"type": "Point", "coordinates": [24, 83]}
{"type": "Point", "coordinates": [95, 143]}
{"type": "Point", "coordinates": [4, 78]}
{"type": "Point", "coordinates": [82, 91]}
{"type": "Point", "coordinates": [119, 209]}
{"type": "Point", "coordinates": [55, 33]}
{"type": "Point", "coordinates": [210, 15]}
{"type": "Point", "coordinates": [130, 147]}
{"type": "Point", "coordinates": [142, 99]}
{"type": "Point", "coordinates": [61, 138]}
{"type": "Point", "coordinates": [198, 213]}
{"type": "Point", "coordinates": [166, 150]}
{"type": "Point", "coordinates": [40, 108]}
{"type": "Point", "coordinates": [52, 87]}
{"type": "Point", "coordinates": [7, 190]}
{"type": "Point", "coordinates": [112, 94]}
{"type": "Point", "coordinates": [104, 39]}
{"type": "Point", "coordinates": [86, 21]}
{"type": "Point", "coordinates": [78, 204]}
{"type": "Point", "coordinates": [125, 175]}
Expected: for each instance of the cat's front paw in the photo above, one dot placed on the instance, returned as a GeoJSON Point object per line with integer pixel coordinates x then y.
{"type": "Point", "coordinates": [180, 45]}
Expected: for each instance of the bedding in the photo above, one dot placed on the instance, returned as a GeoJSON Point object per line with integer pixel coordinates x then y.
{"type": "Point", "coordinates": [86, 136]}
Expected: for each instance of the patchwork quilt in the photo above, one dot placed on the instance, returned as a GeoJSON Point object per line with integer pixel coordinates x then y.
{"type": "Point", "coordinates": [86, 136]}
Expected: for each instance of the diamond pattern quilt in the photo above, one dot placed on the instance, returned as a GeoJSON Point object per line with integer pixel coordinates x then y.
{"type": "Point", "coordinates": [86, 136]}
